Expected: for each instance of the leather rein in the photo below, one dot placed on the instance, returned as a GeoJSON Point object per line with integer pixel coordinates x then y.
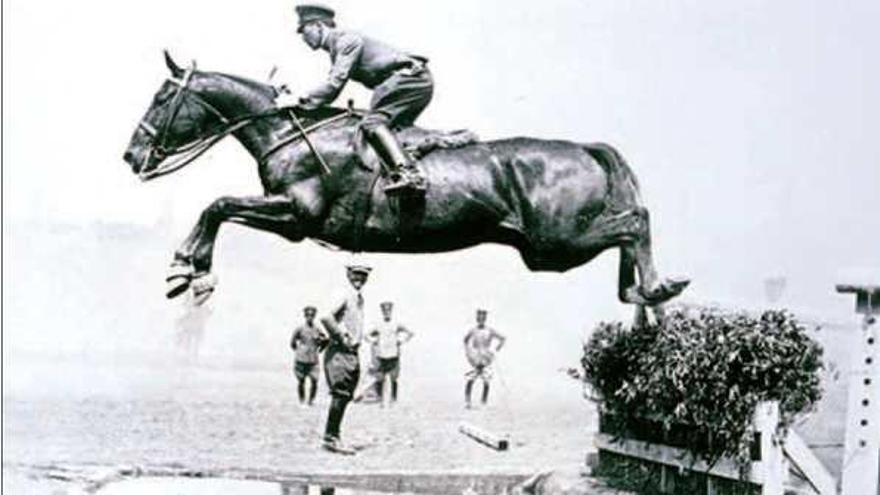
{"type": "Point", "coordinates": [176, 157]}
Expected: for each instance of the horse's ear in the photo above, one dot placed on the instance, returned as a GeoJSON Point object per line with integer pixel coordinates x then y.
{"type": "Point", "coordinates": [176, 71]}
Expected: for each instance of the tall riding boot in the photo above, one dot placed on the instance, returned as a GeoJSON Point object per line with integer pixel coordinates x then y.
{"type": "Point", "coordinates": [403, 174]}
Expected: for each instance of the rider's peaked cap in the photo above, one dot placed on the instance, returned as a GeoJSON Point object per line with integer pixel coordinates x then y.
{"type": "Point", "coordinates": [313, 12]}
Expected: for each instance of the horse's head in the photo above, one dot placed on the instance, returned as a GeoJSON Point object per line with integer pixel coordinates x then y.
{"type": "Point", "coordinates": [185, 117]}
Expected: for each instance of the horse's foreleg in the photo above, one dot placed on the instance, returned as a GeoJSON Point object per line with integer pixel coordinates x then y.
{"type": "Point", "coordinates": [192, 261]}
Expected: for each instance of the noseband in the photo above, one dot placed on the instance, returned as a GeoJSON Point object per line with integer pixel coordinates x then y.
{"type": "Point", "coordinates": [185, 153]}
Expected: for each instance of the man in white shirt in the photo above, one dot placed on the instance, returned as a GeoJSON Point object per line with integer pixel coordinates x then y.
{"type": "Point", "coordinates": [478, 349]}
{"type": "Point", "coordinates": [388, 336]}
{"type": "Point", "coordinates": [345, 326]}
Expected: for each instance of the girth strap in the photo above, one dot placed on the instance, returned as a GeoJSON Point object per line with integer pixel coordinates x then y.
{"type": "Point", "coordinates": [362, 212]}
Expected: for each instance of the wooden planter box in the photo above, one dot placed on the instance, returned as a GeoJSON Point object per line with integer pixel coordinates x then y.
{"type": "Point", "coordinates": [651, 459]}
{"type": "Point", "coordinates": [647, 459]}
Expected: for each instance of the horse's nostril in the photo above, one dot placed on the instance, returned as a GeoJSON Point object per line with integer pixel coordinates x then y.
{"type": "Point", "coordinates": [128, 156]}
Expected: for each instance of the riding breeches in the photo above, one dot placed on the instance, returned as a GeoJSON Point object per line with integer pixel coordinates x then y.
{"type": "Point", "coordinates": [400, 99]}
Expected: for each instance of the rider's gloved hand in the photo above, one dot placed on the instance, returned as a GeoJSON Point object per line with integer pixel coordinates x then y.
{"type": "Point", "coordinates": [286, 99]}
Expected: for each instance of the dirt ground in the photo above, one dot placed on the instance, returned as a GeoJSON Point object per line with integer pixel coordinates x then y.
{"type": "Point", "coordinates": [96, 422]}
{"type": "Point", "coordinates": [71, 425]}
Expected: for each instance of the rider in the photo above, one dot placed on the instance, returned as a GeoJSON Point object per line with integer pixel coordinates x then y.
{"type": "Point", "coordinates": [401, 83]}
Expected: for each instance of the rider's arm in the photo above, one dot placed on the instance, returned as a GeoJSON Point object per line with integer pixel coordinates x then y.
{"type": "Point", "coordinates": [331, 322]}
{"type": "Point", "coordinates": [349, 50]}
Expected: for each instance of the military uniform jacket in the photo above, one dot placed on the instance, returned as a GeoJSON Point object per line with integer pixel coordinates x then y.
{"type": "Point", "coordinates": [305, 342]}
{"type": "Point", "coordinates": [349, 315]}
{"type": "Point", "coordinates": [365, 60]}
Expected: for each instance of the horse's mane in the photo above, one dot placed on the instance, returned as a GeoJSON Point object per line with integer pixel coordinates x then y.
{"type": "Point", "coordinates": [268, 92]}
{"type": "Point", "coordinates": [263, 89]}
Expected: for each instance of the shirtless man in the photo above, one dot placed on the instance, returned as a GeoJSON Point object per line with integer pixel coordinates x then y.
{"type": "Point", "coordinates": [480, 353]}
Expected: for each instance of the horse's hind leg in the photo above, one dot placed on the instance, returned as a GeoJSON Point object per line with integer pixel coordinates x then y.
{"type": "Point", "coordinates": [630, 230]}
{"type": "Point", "coordinates": [650, 291]}
{"type": "Point", "coordinates": [193, 259]}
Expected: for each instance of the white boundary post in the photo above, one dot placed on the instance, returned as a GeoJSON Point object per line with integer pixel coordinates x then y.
{"type": "Point", "coordinates": [861, 459]}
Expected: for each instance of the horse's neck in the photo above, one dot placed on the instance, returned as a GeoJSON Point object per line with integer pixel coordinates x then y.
{"type": "Point", "coordinates": [265, 135]}
{"type": "Point", "coordinates": [237, 101]}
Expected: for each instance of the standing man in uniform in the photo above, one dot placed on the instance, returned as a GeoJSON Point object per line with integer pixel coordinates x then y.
{"type": "Point", "coordinates": [388, 337]}
{"type": "Point", "coordinates": [345, 324]}
{"type": "Point", "coordinates": [401, 83]}
{"type": "Point", "coordinates": [306, 341]}
{"type": "Point", "coordinates": [478, 347]}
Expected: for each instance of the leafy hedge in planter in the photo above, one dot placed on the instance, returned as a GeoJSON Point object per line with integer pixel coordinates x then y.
{"type": "Point", "coordinates": [704, 368]}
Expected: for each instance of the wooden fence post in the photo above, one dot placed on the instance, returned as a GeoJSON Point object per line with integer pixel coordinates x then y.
{"type": "Point", "coordinates": [772, 462]}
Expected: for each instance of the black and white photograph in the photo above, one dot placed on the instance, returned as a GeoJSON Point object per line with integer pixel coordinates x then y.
{"type": "Point", "coordinates": [617, 247]}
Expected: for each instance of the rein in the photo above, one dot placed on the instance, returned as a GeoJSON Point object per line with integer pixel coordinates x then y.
{"type": "Point", "coordinates": [300, 134]}
{"type": "Point", "coordinates": [178, 157]}
{"type": "Point", "coordinates": [184, 154]}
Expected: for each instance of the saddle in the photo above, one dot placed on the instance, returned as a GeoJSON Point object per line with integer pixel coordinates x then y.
{"type": "Point", "coordinates": [416, 141]}
{"type": "Point", "coordinates": [419, 142]}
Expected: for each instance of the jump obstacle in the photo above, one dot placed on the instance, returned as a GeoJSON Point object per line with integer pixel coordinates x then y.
{"type": "Point", "coordinates": [777, 458]}
{"type": "Point", "coordinates": [485, 437]}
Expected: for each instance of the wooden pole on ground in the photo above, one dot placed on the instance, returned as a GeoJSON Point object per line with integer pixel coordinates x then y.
{"type": "Point", "coordinates": [485, 437]}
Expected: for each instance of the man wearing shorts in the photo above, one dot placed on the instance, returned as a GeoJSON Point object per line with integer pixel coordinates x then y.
{"type": "Point", "coordinates": [306, 341]}
{"type": "Point", "coordinates": [478, 345]}
{"type": "Point", "coordinates": [341, 362]}
{"type": "Point", "coordinates": [388, 336]}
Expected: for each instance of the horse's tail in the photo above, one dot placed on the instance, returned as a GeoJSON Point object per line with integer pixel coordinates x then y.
{"type": "Point", "coordinates": [623, 185]}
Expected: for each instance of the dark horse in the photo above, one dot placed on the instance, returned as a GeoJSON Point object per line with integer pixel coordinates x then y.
{"type": "Point", "coordinates": [558, 203]}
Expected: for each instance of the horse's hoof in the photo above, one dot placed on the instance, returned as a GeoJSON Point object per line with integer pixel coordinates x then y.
{"type": "Point", "coordinates": [675, 285]}
{"type": "Point", "coordinates": [667, 289]}
{"type": "Point", "coordinates": [202, 287]}
{"type": "Point", "coordinates": [176, 286]}
{"type": "Point", "coordinates": [178, 279]}
{"type": "Point", "coordinates": [200, 297]}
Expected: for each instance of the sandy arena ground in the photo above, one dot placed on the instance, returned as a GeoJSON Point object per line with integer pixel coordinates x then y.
{"type": "Point", "coordinates": [187, 418]}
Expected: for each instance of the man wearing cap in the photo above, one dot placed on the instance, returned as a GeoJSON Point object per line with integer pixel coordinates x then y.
{"type": "Point", "coordinates": [479, 352]}
{"type": "Point", "coordinates": [401, 83]}
{"type": "Point", "coordinates": [306, 341]}
{"type": "Point", "coordinates": [341, 363]}
{"type": "Point", "coordinates": [388, 337]}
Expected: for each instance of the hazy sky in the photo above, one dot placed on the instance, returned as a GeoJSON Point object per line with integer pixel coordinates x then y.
{"type": "Point", "coordinates": [752, 124]}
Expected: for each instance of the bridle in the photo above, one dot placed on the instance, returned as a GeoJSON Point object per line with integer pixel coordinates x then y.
{"type": "Point", "coordinates": [182, 155]}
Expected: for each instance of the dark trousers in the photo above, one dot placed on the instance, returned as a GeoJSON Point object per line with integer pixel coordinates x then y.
{"type": "Point", "coordinates": [342, 369]}
{"type": "Point", "coordinates": [400, 99]}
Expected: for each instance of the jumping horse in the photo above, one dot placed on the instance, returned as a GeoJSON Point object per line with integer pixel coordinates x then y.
{"type": "Point", "coordinates": [559, 203]}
